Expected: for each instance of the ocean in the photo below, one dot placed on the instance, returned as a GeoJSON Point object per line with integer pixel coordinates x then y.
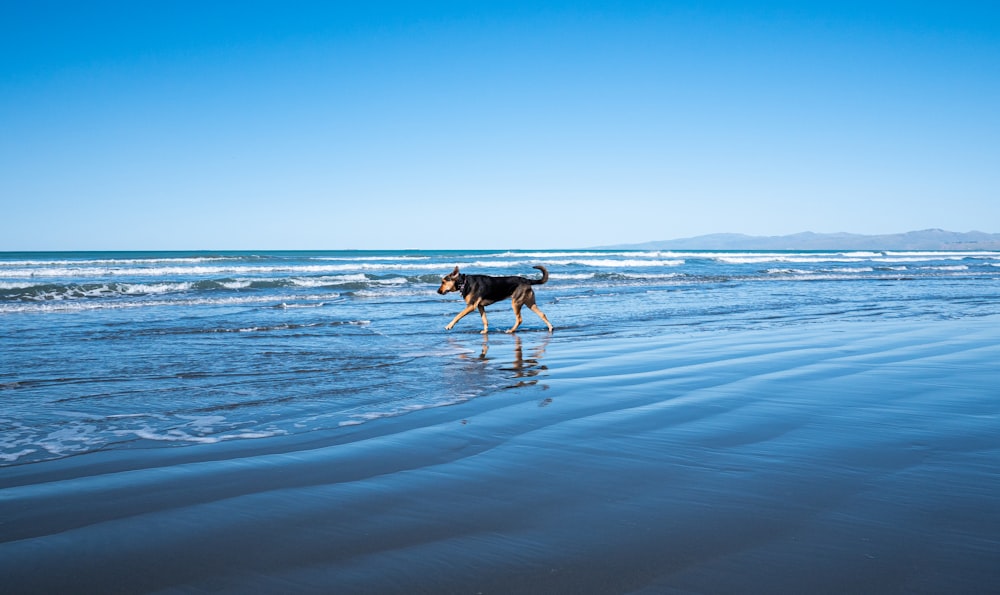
{"type": "Point", "coordinates": [145, 350]}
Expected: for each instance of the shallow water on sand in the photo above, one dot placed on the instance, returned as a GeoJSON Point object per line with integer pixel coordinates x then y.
{"type": "Point", "coordinates": [122, 350]}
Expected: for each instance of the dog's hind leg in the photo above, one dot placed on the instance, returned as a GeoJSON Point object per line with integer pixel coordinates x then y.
{"type": "Point", "coordinates": [538, 311]}
{"type": "Point", "coordinates": [517, 315]}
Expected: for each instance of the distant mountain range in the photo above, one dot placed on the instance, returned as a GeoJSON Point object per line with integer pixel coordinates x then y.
{"type": "Point", "coordinates": [928, 239]}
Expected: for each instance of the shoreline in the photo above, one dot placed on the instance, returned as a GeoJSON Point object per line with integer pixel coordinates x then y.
{"type": "Point", "coordinates": [827, 457]}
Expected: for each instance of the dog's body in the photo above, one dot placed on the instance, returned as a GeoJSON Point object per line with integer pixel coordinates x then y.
{"type": "Point", "coordinates": [480, 291]}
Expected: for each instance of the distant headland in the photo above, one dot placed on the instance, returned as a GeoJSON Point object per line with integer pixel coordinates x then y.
{"type": "Point", "coordinates": [927, 239]}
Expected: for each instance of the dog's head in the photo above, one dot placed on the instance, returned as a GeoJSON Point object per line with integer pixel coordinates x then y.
{"type": "Point", "coordinates": [449, 282]}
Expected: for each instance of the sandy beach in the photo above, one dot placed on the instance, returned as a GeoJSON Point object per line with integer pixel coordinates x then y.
{"type": "Point", "coordinates": [829, 457]}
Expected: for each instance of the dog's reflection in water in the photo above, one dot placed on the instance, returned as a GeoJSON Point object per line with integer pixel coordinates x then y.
{"type": "Point", "coordinates": [524, 368]}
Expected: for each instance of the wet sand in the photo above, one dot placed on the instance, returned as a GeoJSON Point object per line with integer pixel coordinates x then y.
{"type": "Point", "coordinates": [823, 458]}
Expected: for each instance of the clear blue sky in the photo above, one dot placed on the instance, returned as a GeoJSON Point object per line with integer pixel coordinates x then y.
{"type": "Point", "coordinates": [368, 124]}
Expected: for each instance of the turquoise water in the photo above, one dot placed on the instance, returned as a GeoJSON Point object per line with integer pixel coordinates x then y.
{"type": "Point", "coordinates": [104, 351]}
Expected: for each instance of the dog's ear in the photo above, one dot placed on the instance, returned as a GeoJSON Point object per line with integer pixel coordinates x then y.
{"type": "Point", "coordinates": [454, 273]}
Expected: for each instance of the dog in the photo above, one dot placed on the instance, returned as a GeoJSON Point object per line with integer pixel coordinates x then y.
{"type": "Point", "coordinates": [480, 291]}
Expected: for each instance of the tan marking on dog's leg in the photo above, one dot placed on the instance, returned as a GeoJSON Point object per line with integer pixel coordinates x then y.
{"type": "Point", "coordinates": [486, 325]}
{"type": "Point", "coordinates": [459, 317]}
{"type": "Point", "coordinates": [538, 311]}
{"type": "Point", "coordinates": [517, 316]}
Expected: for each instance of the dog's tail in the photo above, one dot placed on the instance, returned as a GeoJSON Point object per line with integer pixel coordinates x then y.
{"type": "Point", "coordinates": [545, 275]}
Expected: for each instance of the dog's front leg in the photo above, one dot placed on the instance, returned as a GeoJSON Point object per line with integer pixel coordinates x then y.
{"type": "Point", "coordinates": [459, 317]}
{"type": "Point", "coordinates": [486, 325]}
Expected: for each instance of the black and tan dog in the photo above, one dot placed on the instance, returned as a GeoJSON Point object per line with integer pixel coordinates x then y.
{"type": "Point", "coordinates": [480, 291]}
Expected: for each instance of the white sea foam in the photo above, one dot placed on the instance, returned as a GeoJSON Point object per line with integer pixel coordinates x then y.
{"type": "Point", "coordinates": [789, 258]}
{"type": "Point", "coordinates": [318, 269]}
{"type": "Point", "coordinates": [293, 306]}
{"type": "Point", "coordinates": [195, 429]}
{"type": "Point", "coordinates": [360, 418]}
{"type": "Point", "coordinates": [102, 291]}
{"type": "Point", "coordinates": [85, 433]}
{"type": "Point", "coordinates": [949, 253]}
{"type": "Point", "coordinates": [613, 263]}
{"type": "Point", "coordinates": [916, 259]}
{"type": "Point", "coordinates": [819, 276]}
{"type": "Point", "coordinates": [131, 262]}
{"type": "Point", "coordinates": [396, 292]}
{"type": "Point", "coordinates": [75, 438]}
{"type": "Point", "coordinates": [831, 275]}
{"type": "Point", "coordinates": [371, 258]}
{"type": "Point", "coordinates": [787, 272]}
{"type": "Point", "coordinates": [79, 305]}
{"type": "Point", "coordinates": [177, 435]}
{"type": "Point", "coordinates": [846, 257]}
{"type": "Point", "coordinates": [10, 457]}
{"type": "Point", "coordinates": [238, 284]}
{"type": "Point", "coordinates": [835, 271]}
{"type": "Point", "coordinates": [153, 288]}
{"type": "Point", "coordinates": [579, 254]}
{"type": "Point", "coordinates": [203, 423]}
{"type": "Point", "coordinates": [652, 276]}
{"type": "Point", "coordinates": [328, 280]}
